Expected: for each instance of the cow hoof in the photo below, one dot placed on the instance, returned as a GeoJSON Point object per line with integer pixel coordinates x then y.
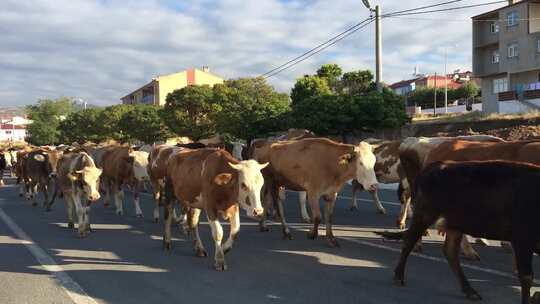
{"type": "Point", "coordinates": [71, 225]}
{"type": "Point", "coordinates": [220, 266]}
{"type": "Point", "coordinates": [201, 252]}
{"type": "Point", "coordinates": [264, 229]}
{"type": "Point", "coordinates": [306, 220]}
{"type": "Point", "coordinates": [21, 195]}
{"type": "Point", "coordinates": [474, 256]}
{"type": "Point", "coordinates": [106, 205]}
{"type": "Point", "coordinates": [119, 212]}
{"type": "Point", "coordinates": [382, 211]}
{"type": "Point", "coordinates": [353, 208]}
{"type": "Point", "coordinates": [139, 215]}
{"type": "Point", "coordinates": [312, 235]}
{"type": "Point", "coordinates": [472, 295]}
{"type": "Point", "coordinates": [156, 220]}
{"type": "Point", "coordinates": [333, 243]}
{"type": "Point", "coordinates": [401, 226]}
{"type": "Point", "coordinates": [48, 209]}
{"type": "Point", "coordinates": [34, 204]}
{"type": "Point", "coordinates": [399, 282]}
{"type": "Point", "coordinates": [287, 235]}
{"type": "Point", "coordinates": [418, 249]}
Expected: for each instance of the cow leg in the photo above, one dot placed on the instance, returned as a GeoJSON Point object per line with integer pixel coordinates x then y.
{"type": "Point", "coordinates": [330, 201]}
{"type": "Point", "coordinates": [79, 209]}
{"type": "Point", "coordinates": [118, 193]}
{"type": "Point", "coordinates": [523, 250]}
{"type": "Point", "coordinates": [302, 198]}
{"type": "Point", "coordinates": [69, 207]}
{"type": "Point", "coordinates": [412, 236]}
{"type": "Point", "coordinates": [281, 213]}
{"type": "Point", "coordinates": [451, 251]}
{"type": "Point", "coordinates": [106, 200]}
{"type": "Point", "coordinates": [217, 234]}
{"type": "Point", "coordinates": [1, 179]}
{"type": "Point", "coordinates": [468, 250]}
{"type": "Point", "coordinates": [267, 204]}
{"type": "Point", "coordinates": [157, 199]}
{"type": "Point", "coordinates": [167, 219]}
{"type": "Point", "coordinates": [355, 187]}
{"type": "Point", "coordinates": [375, 195]}
{"type": "Point", "coordinates": [313, 200]}
{"type": "Point", "coordinates": [136, 200]}
{"type": "Point", "coordinates": [234, 221]}
{"type": "Point", "coordinates": [22, 188]}
{"type": "Point", "coordinates": [44, 189]}
{"type": "Point", "coordinates": [193, 223]}
{"type": "Point", "coordinates": [34, 194]}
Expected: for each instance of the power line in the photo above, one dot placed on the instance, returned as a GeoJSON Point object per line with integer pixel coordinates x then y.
{"type": "Point", "coordinates": [445, 9]}
{"type": "Point", "coordinates": [423, 7]}
{"type": "Point", "coordinates": [352, 28]}
{"type": "Point", "coordinates": [459, 20]}
{"type": "Point", "coordinates": [320, 50]}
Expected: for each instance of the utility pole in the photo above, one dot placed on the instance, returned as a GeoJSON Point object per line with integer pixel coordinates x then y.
{"type": "Point", "coordinates": [378, 48]}
{"type": "Point", "coordinates": [445, 83]}
{"type": "Point", "coordinates": [435, 96]}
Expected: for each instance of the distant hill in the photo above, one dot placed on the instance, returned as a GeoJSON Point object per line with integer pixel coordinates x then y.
{"type": "Point", "coordinates": [10, 111]}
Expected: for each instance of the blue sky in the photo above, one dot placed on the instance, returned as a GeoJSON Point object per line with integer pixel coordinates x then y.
{"type": "Point", "coordinates": [99, 50]}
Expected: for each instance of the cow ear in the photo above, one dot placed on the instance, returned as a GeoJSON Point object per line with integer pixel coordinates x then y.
{"type": "Point", "coordinates": [262, 166]}
{"type": "Point", "coordinates": [346, 158]}
{"type": "Point", "coordinates": [223, 179]}
{"type": "Point", "coordinates": [235, 166]}
{"type": "Point", "coordinates": [39, 157]}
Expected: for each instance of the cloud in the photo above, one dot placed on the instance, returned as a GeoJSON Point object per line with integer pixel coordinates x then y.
{"type": "Point", "coordinates": [100, 50]}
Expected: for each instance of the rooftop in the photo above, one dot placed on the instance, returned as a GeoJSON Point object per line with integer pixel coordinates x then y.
{"type": "Point", "coordinates": [500, 8]}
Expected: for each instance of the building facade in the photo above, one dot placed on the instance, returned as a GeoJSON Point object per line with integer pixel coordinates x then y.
{"type": "Point", "coordinates": [506, 55]}
{"type": "Point", "coordinates": [453, 81]}
{"type": "Point", "coordinates": [155, 92]}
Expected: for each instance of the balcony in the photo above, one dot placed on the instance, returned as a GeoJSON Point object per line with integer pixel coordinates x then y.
{"type": "Point", "coordinates": [148, 99]}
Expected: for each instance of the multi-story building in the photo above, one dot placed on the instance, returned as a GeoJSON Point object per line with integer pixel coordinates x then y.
{"type": "Point", "coordinates": [506, 56]}
{"type": "Point", "coordinates": [155, 92]}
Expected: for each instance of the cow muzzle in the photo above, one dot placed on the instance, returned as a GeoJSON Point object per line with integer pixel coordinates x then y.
{"type": "Point", "coordinates": [94, 197]}
{"type": "Point", "coordinates": [372, 188]}
{"type": "Point", "coordinates": [52, 175]}
{"type": "Point", "coordinates": [258, 212]}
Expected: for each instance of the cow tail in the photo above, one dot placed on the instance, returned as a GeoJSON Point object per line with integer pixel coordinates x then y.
{"type": "Point", "coordinates": [389, 235]}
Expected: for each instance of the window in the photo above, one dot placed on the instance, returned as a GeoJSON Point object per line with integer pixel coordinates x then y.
{"type": "Point", "coordinates": [495, 57]}
{"type": "Point", "coordinates": [513, 50]}
{"type": "Point", "coordinates": [512, 18]}
{"type": "Point", "coordinates": [500, 85]}
{"type": "Point", "coordinates": [8, 132]}
{"type": "Point", "coordinates": [494, 27]}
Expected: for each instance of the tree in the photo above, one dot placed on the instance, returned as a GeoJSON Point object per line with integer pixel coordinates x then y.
{"type": "Point", "coordinates": [108, 121]}
{"type": "Point", "coordinates": [357, 82]}
{"type": "Point", "coordinates": [189, 112]}
{"type": "Point", "coordinates": [309, 86]}
{"type": "Point", "coordinates": [81, 126]}
{"type": "Point", "coordinates": [143, 123]}
{"type": "Point", "coordinates": [330, 71]}
{"type": "Point", "coordinates": [249, 108]}
{"type": "Point", "coordinates": [46, 116]}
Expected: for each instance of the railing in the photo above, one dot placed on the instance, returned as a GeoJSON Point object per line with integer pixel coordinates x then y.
{"type": "Point", "coordinates": [508, 95]}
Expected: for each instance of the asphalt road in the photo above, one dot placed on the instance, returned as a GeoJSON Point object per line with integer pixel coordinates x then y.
{"type": "Point", "coordinates": [122, 261]}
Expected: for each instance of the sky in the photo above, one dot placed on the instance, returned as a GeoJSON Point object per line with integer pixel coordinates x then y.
{"type": "Point", "coordinates": [100, 50]}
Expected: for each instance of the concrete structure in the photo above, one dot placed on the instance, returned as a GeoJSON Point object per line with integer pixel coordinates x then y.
{"type": "Point", "coordinates": [506, 55]}
{"type": "Point", "coordinates": [155, 92]}
{"type": "Point", "coordinates": [10, 132]}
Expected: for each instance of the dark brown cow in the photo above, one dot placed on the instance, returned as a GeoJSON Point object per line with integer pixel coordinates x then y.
{"type": "Point", "coordinates": [39, 171]}
{"type": "Point", "coordinates": [318, 166]}
{"type": "Point", "coordinates": [213, 180]}
{"type": "Point", "coordinates": [123, 166]}
{"type": "Point", "coordinates": [496, 200]}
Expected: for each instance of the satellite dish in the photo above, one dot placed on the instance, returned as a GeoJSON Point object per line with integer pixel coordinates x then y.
{"type": "Point", "coordinates": [366, 3]}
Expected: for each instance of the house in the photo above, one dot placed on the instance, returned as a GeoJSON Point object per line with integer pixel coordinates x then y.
{"type": "Point", "coordinates": [453, 81]}
{"type": "Point", "coordinates": [506, 57]}
{"type": "Point", "coordinates": [155, 92]}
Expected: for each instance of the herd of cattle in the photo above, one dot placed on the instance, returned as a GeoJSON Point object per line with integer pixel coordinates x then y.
{"type": "Point", "coordinates": [477, 185]}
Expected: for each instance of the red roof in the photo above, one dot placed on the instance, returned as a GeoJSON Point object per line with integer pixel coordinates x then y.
{"type": "Point", "coordinates": [11, 127]}
{"type": "Point", "coordinates": [403, 83]}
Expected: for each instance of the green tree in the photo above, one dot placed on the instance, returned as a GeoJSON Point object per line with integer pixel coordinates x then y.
{"type": "Point", "coordinates": [108, 122]}
{"type": "Point", "coordinates": [143, 123]}
{"type": "Point", "coordinates": [249, 108]}
{"type": "Point", "coordinates": [81, 126]}
{"type": "Point", "coordinates": [357, 82]}
{"type": "Point", "coordinates": [330, 71]}
{"type": "Point", "coordinates": [309, 86]}
{"type": "Point", "coordinates": [189, 111]}
{"type": "Point", "coordinates": [46, 116]}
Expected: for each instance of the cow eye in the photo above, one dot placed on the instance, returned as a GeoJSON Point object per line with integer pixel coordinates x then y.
{"type": "Point", "coordinates": [244, 186]}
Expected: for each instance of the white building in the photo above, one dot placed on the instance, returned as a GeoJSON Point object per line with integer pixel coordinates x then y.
{"type": "Point", "coordinates": [11, 132]}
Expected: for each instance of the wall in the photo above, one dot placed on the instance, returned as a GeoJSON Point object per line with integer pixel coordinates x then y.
{"type": "Point", "coordinates": [168, 83]}
{"type": "Point", "coordinates": [534, 15]}
{"type": "Point", "coordinates": [206, 78]}
{"type": "Point", "coordinates": [490, 102]}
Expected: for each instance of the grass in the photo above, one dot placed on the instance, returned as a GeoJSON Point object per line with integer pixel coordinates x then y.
{"type": "Point", "coordinates": [471, 117]}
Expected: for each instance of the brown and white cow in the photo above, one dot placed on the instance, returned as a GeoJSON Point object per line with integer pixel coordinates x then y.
{"type": "Point", "coordinates": [39, 171]}
{"type": "Point", "coordinates": [213, 180]}
{"type": "Point", "coordinates": [320, 167]}
{"type": "Point", "coordinates": [78, 183]}
{"type": "Point", "coordinates": [490, 199]}
{"type": "Point", "coordinates": [123, 166]}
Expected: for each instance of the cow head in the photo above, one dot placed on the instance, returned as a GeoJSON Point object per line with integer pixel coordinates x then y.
{"type": "Point", "coordinates": [139, 159]}
{"type": "Point", "coordinates": [88, 178]}
{"type": "Point", "coordinates": [53, 157]}
{"type": "Point", "coordinates": [364, 160]}
{"type": "Point", "coordinates": [250, 182]}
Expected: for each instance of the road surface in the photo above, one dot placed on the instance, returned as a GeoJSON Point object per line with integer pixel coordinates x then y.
{"type": "Point", "coordinates": [122, 261]}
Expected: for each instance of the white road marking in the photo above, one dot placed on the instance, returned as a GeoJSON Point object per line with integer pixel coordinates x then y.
{"type": "Point", "coordinates": [74, 290]}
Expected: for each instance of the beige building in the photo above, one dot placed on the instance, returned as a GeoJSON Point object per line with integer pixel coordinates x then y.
{"type": "Point", "coordinates": [155, 92]}
{"type": "Point", "coordinates": [506, 54]}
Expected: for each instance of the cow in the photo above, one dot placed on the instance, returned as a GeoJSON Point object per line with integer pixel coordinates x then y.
{"type": "Point", "coordinates": [213, 180]}
{"type": "Point", "coordinates": [78, 184]}
{"type": "Point", "coordinates": [20, 171]}
{"type": "Point", "coordinates": [123, 166]}
{"type": "Point", "coordinates": [387, 169]}
{"type": "Point", "coordinates": [39, 170]}
{"type": "Point", "coordinates": [157, 171]}
{"type": "Point", "coordinates": [496, 200]}
{"type": "Point", "coordinates": [318, 166]}
{"type": "Point", "coordinates": [3, 166]}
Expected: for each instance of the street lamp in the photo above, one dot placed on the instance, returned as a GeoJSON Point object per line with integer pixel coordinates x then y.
{"type": "Point", "coordinates": [378, 43]}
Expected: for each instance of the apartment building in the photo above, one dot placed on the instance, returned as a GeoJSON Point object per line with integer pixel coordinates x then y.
{"type": "Point", "coordinates": [155, 92]}
{"type": "Point", "coordinates": [506, 56]}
